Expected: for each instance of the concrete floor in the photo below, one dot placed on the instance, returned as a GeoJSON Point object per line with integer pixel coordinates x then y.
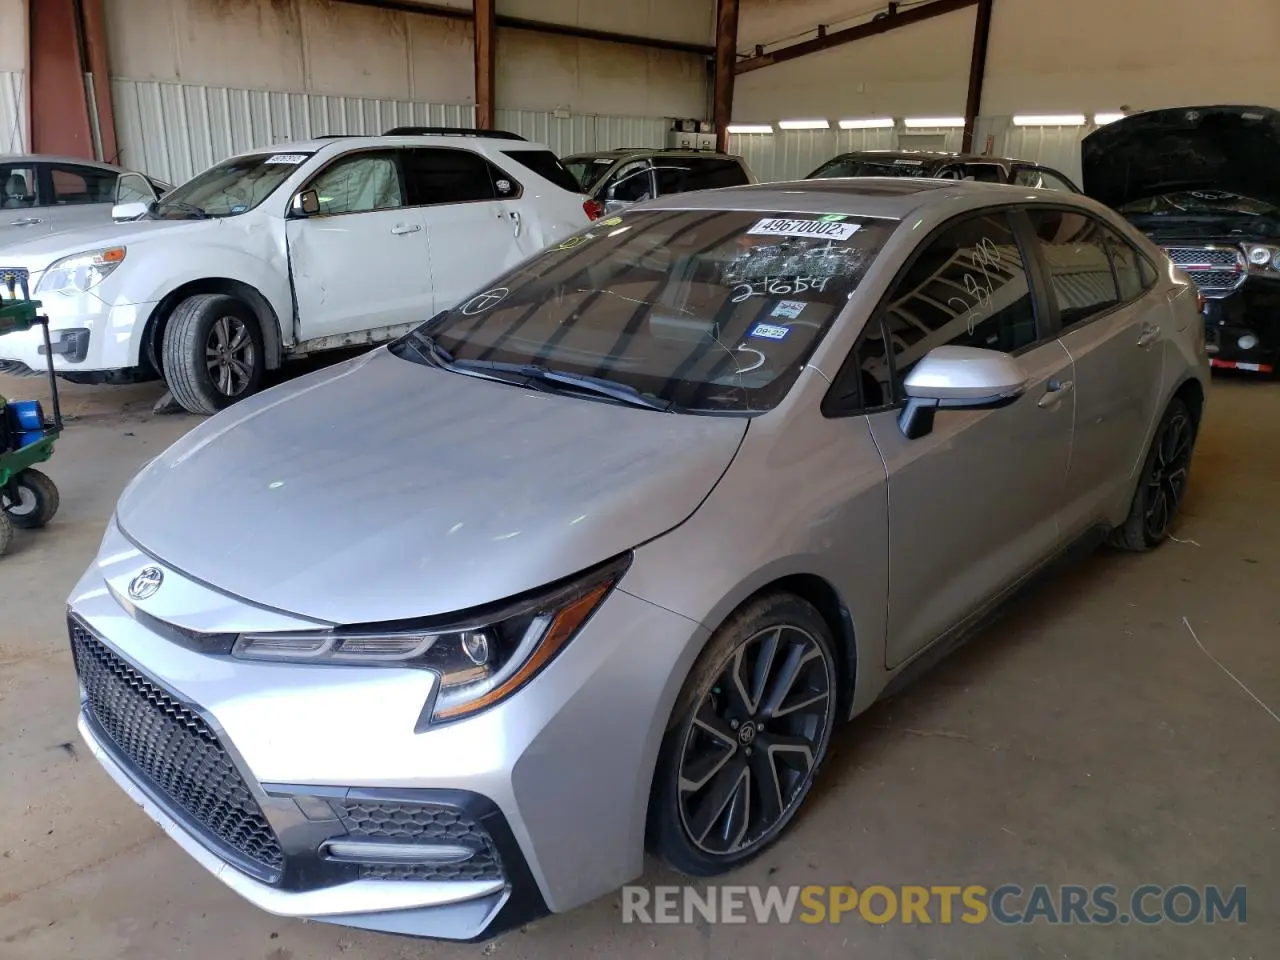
{"type": "Point", "coordinates": [1085, 739]}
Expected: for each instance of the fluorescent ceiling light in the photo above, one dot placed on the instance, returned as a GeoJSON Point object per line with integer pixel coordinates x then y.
{"type": "Point", "coordinates": [750, 128]}
{"type": "Point", "coordinates": [803, 124]}
{"type": "Point", "coordinates": [934, 122]}
{"type": "Point", "coordinates": [1102, 119]}
{"type": "Point", "coordinates": [876, 123]}
{"type": "Point", "coordinates": [1050, 120]}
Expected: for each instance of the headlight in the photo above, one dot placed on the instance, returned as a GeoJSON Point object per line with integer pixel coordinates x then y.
{"type": "Point", "coordinates": [1260, 256]}
{"type": "Point", "coordinates": [480, 660]}
{"type": "Point", "coordinates": [78, 273]}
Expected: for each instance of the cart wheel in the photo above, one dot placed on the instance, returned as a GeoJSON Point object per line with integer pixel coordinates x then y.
{"type": "Point", "coordinates": [37, 500]}
{"type": "Point", "coordinates": [6, 534]}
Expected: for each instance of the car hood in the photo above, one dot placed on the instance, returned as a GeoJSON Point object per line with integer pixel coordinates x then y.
{"type": "Point", "coordinates": [1232, 149]}
{"type": "Point", "coordinates": [381, 489]}
{"type": "Point", "coordinates": [38, 252]}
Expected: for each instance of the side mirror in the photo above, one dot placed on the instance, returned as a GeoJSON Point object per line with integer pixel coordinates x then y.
{"type": "Point", "coordinates": [306, 204]}
{"type": "Point", "coordinates": [958, 378]}
{"type": "Point", "coordinates": [129, 211]}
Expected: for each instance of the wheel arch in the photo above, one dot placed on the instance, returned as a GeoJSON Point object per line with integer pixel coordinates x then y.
{"type": "Point", "coordinates": [1191, 392]}
{"type": "Point", "coordinates": [268, 322]}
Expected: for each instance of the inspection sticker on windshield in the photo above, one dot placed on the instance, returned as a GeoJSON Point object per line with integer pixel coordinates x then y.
{"type": "Point", "coordinates": [790, 309]}
{"type": "Point", "coordinates": [813, 229]}
{"type": "Point", "coordinates": [768, 331]}
{"type": "Point", "coordinates": [289, 158]}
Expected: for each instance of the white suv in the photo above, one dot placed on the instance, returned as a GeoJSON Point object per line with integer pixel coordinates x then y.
{"type": "Point", "coordinates": [279, 253]}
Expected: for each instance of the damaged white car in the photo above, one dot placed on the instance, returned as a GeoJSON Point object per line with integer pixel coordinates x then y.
{"type": "Point", "coordinates": [279, 253]}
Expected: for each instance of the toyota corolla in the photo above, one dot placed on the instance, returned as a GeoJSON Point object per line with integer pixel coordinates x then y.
{"type": "Point", "coordinates": [442, 638]}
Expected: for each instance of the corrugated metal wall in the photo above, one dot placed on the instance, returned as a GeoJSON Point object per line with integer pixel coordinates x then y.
{"type": "Point", "coordinates": [580, 133]}
{"type": "Point", "coordinates": [792, 154]}
{"type": "Point", "coordinates": [175, 130]}
{"type": "Point", "coordinates": [13, 112]}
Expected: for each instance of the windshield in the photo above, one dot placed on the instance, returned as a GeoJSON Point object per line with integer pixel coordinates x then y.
{"type": "Point", "coordinates": [1201, 203]}
{"type": "Point", "coordinates": [230, 188]}
{"type": "Point", "coordinates": [698, 310]}
{"type": "Point", "coordinates": [589, 171]}
{"type": "Point", "coordinates": [864, 167]}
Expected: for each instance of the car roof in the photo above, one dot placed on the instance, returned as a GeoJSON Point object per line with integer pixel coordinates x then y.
{"type": "Point", "coordinates": [56, 158]}
{"type": "Point", "coordinates": [924, 155]}
{"type": "Point", "coordinates": [889, 197]}
{"type": "Point", "coordinates": [623, 153]}
{"type": "Point", "coordinates": [316, 144]}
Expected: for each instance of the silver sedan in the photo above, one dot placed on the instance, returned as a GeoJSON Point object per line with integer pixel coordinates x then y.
{"type": "Point", "coordinates": [438, 639]}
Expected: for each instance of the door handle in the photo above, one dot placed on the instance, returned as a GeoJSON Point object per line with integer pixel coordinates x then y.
{"type": "Point", "coordinates": [25, 222]}
{"type": "Point", "coordinates": [1150, 334]}
{"type": "Point", "coordinates": [1056, 390]}
{"type": "Point", "coordinates": [401, 229]}
{"type": "Point", "coordinates": [515, 215]}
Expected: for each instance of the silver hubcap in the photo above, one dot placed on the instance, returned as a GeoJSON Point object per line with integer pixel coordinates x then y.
{"type": "Point", "coordinates": [230, 356]}
{"type": "Point", "coordinates": [1168, 480]}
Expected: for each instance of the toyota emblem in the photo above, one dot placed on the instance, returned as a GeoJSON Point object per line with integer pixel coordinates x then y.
{"type": "Point", "coordinates": [146, 583]}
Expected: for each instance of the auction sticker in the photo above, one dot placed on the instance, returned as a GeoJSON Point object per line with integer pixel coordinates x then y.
{"type": "Point", "coordinates": [812, 229]}
{"type": "Point", "coordinates": [768, 331]}
{"type": "Point", "coordinates": [289, 158]}
{"type": "Point", "coordinates": [788, 308]}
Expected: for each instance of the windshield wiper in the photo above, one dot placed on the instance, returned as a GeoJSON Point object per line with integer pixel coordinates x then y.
{"type": "Point", "coordinates": [200, 212]}
{"type": "Point", "coordinates": [622, 392]}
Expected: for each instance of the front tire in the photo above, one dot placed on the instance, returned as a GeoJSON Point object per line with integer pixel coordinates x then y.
{"type": "Point", "coordinates": [1162, 485]}
{"type": "Point", "coordinates": [748, 734]}
{"type": "Point", "coordinates": [37, 500]}
{"type": "Point", "coordinates": [213, 353]}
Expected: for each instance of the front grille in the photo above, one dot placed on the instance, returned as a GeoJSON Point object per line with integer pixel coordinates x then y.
{"type": "Point", "coordinates": [1204, 256]}
{"type": "Point", "coordinates": [175, 751]}
{"type": "Point", "coordinates": [1217, 271]}
{"type": "Point", "coordinates": [410, 822]}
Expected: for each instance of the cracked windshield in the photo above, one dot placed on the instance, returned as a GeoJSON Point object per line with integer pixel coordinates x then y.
{"type": "Point", "coordinates": [228, 189]}
{"type": "Point", "coordinates": [696, 311]}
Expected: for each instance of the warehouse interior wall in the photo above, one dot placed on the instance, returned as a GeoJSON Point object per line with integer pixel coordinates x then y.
{"type": "Point", "coordinates": [1045, 56]}
{"type": "Point", "coordinates": [13, 76]}
{"type": "Point", "coordinates": [225, 75]}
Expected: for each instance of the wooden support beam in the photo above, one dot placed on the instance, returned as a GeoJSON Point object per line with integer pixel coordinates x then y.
{"type": "Point", "coordinates": [486, 62]}
{"type": "Point", "coordinates": [977, 72]}
{"type": "Point", "coordinates": [726, 61]}
{"type": "Point", "coordinates": [828, 39]}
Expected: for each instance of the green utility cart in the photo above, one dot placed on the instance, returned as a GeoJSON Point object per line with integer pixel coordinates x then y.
{"type": "Point", "coordinates": [28, 497]}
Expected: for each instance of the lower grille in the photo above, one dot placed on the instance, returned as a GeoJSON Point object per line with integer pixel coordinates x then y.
{"type": "Point", "coordinates": [175, 751]}
{"type": "Point", "coordinates": [1217, 271]}
{"type": "Point", "coordinates": [410, 822]}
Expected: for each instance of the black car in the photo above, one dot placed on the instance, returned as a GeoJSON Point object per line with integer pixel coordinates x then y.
{"type": "Point", "coordinates": [944, 166]}
{"type": "Point", "coordinates": [618, 178]}
{"type": "Point", "coordinates": [1202, 182]}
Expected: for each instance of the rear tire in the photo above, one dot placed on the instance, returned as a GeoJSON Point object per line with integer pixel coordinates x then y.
{"type": "Point", "coordinates": [37, 500]}
{"type": "Point", "coordinates": [740, 756]}
{"type": "Point", "coordinates": [1162, 485]}
{"type": "Point", "coordinates": [213, 353]}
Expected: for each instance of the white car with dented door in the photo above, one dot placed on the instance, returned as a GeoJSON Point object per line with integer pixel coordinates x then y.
{"type": "Point", "coordinates": [286, 251]}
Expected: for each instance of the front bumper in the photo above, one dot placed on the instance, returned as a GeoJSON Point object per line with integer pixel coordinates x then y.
{"type": "Point", "coordinates": [1250, 315]}
{"type": "Point", "coordinates": [88, 334]}
{"type": "Point", "coordinates": [557, 777]}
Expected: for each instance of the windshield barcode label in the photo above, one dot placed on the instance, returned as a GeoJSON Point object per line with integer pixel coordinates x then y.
{"type": "Point", "coordinates": [813, 229]}
{"type": "Point", "coordinates": [290, 158]}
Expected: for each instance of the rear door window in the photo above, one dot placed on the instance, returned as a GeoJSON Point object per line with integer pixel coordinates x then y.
{"type": "Point", "coordinates": [632, 183]}
{"type": "Point", "coordinates": [1076, 253]}
{"type": "Point", "coordinates": [436, 175]}
{"type": "Point", "coordinates": [683, 174]}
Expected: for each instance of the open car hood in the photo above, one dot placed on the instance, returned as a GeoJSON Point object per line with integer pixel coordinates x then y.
{"type": "Point", "coordinates": [1225, 148]}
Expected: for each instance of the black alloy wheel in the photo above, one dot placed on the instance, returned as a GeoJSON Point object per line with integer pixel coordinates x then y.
{"type": "Point", "coordinates": [752, 728]}
{"type": "Point", "coordinates": [1167, 482]}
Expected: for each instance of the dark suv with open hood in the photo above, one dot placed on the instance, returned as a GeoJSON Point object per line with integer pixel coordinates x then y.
{"type": "Point", "coordinates": [1202, 182]}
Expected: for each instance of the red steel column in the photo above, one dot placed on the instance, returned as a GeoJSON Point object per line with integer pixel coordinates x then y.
{"type": "Point", "coordinates": [59, 107]}
{"type": "Point", "coordinates": [726, 62]}
{"type": "Point", "coordinates": [977, 72]}
{"type": "Point", "coordinates": [486, 63]}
